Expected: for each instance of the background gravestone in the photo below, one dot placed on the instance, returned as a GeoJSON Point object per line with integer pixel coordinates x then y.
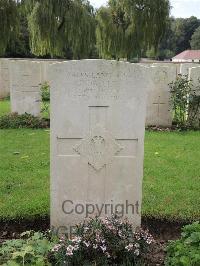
{"type": "Point", "coordinates": [184, 68]}
{"type": "Point", "coordinates": [194, 75]}
{"type": "Point", "coordinates": [25, 81]}
{"type": "Point", "coordinates": [97, 137]}
{"type": "Point", "coordinates": [4, 78]}
{"type": "Point", "coordinates": [44, 67]}
{"type": "Point", "coordinates": [158, 101]}
{"type": "Point", "coordinates": [194, 109]}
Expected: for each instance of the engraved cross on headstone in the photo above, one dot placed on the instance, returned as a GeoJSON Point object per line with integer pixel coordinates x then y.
{"type": "Point", "coordinates": [98, 148]}
{"type": "Point", "coordinates": [159, 103]}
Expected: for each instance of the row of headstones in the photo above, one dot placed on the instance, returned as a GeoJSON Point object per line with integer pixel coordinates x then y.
{"type": "Point", "coordinates": [23, 79]}
{"type": "Point", "coordinates": [98, 112]}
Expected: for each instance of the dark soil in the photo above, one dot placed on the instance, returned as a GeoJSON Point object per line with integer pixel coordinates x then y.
{"type": "Point", "coordinates": [162, 231]}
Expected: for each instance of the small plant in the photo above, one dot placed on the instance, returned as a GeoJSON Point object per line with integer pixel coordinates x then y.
{"type": "Point", "coordinates": [45, 95]}
{"type": "Point", "coordinates": [98, 241]}
{"type": "Point", "coordinates": [14, 120]}
{"type": "Point", "coordinates": [45, 92]}
{"type": "Point", "coordinates": [7, 98]}
{"type": "Point", "coordinates": [186, 251]}
{"type": "Point", "coordinates": [185, 102]}
{"type": "Point", "coordinates": [180, 91]}
{"type": "Point", "coordinates": [194, 107]}
{"type": "Point", "coordinates": [31, 249]}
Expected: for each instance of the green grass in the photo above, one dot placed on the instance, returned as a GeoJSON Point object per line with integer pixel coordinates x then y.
{"type": "Point", "coordinates": [171, 187]}
{"type": "Point", "coordinates": [172, 175]}
{"type": "Point", "coordinates": [24, 173]}
{"type": "Point", "coordinates": [4, 107]}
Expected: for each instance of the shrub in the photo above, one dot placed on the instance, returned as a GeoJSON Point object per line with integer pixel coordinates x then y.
{"type": "Point", "coordinates": [108, 241]}
{"type": "Point", "coordinates": [194, 107]}
{"type": "Point", "coordinates": [180, 90]}
{"type": "Point", "coordinates": [14, 120]}
{"type": "Point", "coordinates": [31, 249]}
{"type": "Point", "coordinates": [45, 92]}
{"type": "Point", "coordinates": [45, 95]}
{"type": "Point", "coordinates": [186, 251]}
{"type": "Point", "coordinates": [185, 102]}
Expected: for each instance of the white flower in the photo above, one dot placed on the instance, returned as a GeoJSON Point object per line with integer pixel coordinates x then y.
{"type": "Point", "coordinates": [69, 253]}
{"type": "Point", "coordinates": [129, 247]}
{"type": "Point", "coordinates": [137, 252]}
{"type": "Point", "coordinates": [76, 247]}
{"type": "Point", "coordinates": [103, 248]}
{"type": "Point", "coordinates": [56, 248]}
{"type": "Point", "coordinates": [70, 249]}
{"type": "Point", "coordinates": [76, 239]}
{"type": "Point", "coordinates": [86, 243]}
{"type": "Point", "coordinates": [95, 246]}
{"type": "Point", "coordinates": [108, 255]}
{"type": "Point", "coordinates": [149, 240]}
{"type": "Point", "coordinates": [137, 245]}
{"type": "Point", "coordinates": [120, 233]}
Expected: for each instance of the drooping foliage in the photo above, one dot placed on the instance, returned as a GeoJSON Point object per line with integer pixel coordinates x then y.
{"type": "Point", "coordinates": [66, 28]}
{"type": "Point", "coordinates": [8, 22]}
{"type": "Point", "coordinates": [125, 27]}
{"type": "Point", "coordinates": [56, 25]}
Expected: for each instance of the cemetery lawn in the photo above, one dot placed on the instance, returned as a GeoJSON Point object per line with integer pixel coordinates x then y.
{"type": "Point", "coordinates": [4, 107]}
{"type": "Point", "coordinates": [171, 187]}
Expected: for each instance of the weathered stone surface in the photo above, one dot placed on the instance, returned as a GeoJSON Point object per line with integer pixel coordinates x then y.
{"type": "Point", "coordinates": [44, 68]}
{"type": "Point", "coordinates": [4, 78]}
{"type": "Point", "coordinates": [184, 68]}
{"type": "Point", "coordinates": [25, 82]}
{"type": "Point", "coordinates": [194, 75]}
{"type": "Point", "coordinates": [158, 102]}
{"type": "Point", "coordinates": [194, 109]}
{"type": "Point", "coordinates": [97, 139]}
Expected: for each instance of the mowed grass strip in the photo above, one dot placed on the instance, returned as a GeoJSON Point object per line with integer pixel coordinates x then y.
{"type": "Point", "coordinates": [4, 107]}
{"type": "Point", "coordinates": [24, 173]}
{"type": "Point", "coordinates": [171, 187]}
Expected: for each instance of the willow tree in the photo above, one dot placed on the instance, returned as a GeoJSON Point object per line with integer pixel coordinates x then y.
{"type": "Point", "coordinates": [55, 25]}
{"type": "Point", "coordinates": [126, 27]}
{"type": "Point", "coordinates": [8, 22]}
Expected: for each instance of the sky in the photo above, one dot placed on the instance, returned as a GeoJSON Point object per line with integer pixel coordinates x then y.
{"type": "Point", "coordinates": [180, 8]}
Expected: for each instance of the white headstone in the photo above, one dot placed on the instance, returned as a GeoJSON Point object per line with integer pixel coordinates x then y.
{"type": "Point", "coordinates": [194, 75]}
{"type": "Point", "coordinates": [158, 101]}
{"type": "Point", "coordinates": [44, 68]}
{"type": "Point", "coordinates": [25, 81]}
{"type": "Point", "coordinates": [97, 139]}
{"type": "Point", "coordinates": [4, 78]}
{"type": "Point", "coordinates": [194, 110]}
{"type": "Point", "coordinates": [184, 68]}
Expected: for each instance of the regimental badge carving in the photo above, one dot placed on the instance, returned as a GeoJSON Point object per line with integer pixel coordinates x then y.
{"type": "Point", "coordinates": [98, 147]}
